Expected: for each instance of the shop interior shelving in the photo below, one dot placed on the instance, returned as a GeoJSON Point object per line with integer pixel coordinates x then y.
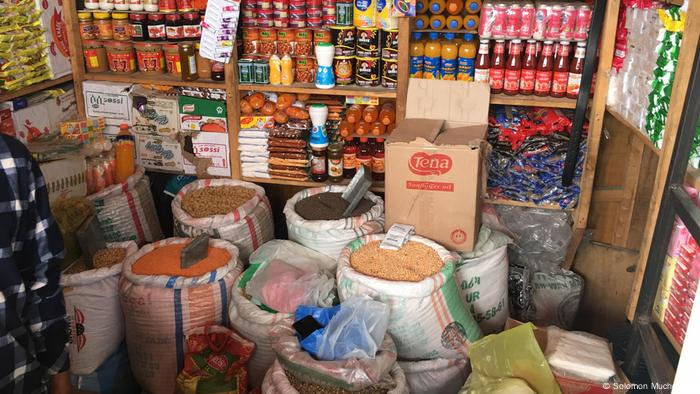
{"type": "Point", "coordinates": [6, 96]}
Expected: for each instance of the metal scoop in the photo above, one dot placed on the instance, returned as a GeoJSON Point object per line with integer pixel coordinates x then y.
{"type": "Point", "coordinates": [195, 251]}
{"type": "Point", "coordinates": [358, 187]}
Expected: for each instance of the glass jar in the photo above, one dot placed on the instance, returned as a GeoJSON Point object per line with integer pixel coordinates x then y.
{"type": "Point", "coordinates": [191, 25]}
{"type": "Point", "coordinates": [138, 25]}
{"type": "Point", "coordinates": [88, 30]}
{"type": "Point", "coordinates": [318, 163]}
{"type": "Point", "coordinates": [335, 162]}
{"type": "Point", "coordinates": [156, 27]}
{"type": "Point", "coordinates": [136, 5]}
{"type": "Point", "coordinates": [120, 26]}
{"type": "Point", "coordinates": [104, 25]}
{"type": "Point", "coordinates": [203, 64]}
{"type": "Point", "coordinates": [121, 5]}
{"type": "Point", "coordinates": [150, 58]}
{"type": "Point", "coordinates": [188, 62]}
{"type": "Point", "coordinates": [217, 71]}
{"type": "Point", "coordinates": [150, 5]}
{"type": "Point", "coordinates": [92, 4]}
{"type": "Point", "coordinates": [120, 57]}
{"type": "Point", "coordinates": [106, 5]}
{"type": "Point", "coordinates": [95, 56]}
{"type": "Point", "coordinates": [173, 27]}
{"type": "Point", "coordinates": [172, 59]}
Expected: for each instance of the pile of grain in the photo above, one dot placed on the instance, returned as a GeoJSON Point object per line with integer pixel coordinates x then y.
{"type": "Point", "coordinates": [215, 200]}
{"type": "Point", "coordinates": [103, 258]}
{"type": "Point", "coordinates": [413, 262]}
{"type": "Point", "coordinates": [165, 260]}
{"type": "Point", "coordinates": [311, 388]}
{"type": "Point", "coordinates": [329, 206]}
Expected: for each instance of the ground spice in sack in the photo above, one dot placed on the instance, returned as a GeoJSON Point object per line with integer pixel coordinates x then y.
{"type": "Point", "coordinates": [329, 206]}
{"type": "Point", "coordinates": [413, 262]}
{"type": "Point", "coordinates": [103, 258]}
{"type": "Point", "coordinates": [165, 260]}
{"type": "Point", "coordinates": [311, 388]}
{"type": "Point", "coordinates": [215, 200]}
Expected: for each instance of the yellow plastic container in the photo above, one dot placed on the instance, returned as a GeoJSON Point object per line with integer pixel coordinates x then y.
{"type": "Point", "coordinates": [365, 13]}
{"type": "Point", "coordinates": [275, 70]}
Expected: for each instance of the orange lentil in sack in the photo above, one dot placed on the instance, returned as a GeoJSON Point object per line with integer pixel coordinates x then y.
{"type": "Point", "coordinates": [165, 260]}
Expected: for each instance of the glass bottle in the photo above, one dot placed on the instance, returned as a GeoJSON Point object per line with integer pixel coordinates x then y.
{"type": "Point", "coordinates": [335, 162]}
{"type": "Point", "coordinates": [543, 76]}
{"type": "Point", "coordinates": [319, 171]}
{"type": "Point", "coordinates": [511, 81]}
{"type": "Point", "coordinates": [497, 70]}
{"type": "Point", "coordinates": [378, 160]}
{"type": "Point", "coordinates": [188, 62]}
{"type": "Point", "coordinates": [576, 71]}
{"type": "Point", "coordinates": [527, 74]}
{"type": "Point", "coordinates": [483, 63]}
{"type": "Point", "coordinates": [217, 71]}
{"type": "Point", "coordinates": [364, 155]}
{"type": "Point", "coordinates": [349, 158]}
{"type": "Point", "coordinates": [560, 77]}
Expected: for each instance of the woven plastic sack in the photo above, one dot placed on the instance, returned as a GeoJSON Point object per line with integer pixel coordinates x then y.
{"type": "Point", "coordinates": [353, 374]}
{"type": "Point", "coordinates": [126, 211]}
{"type": "Point", "coordinates": [428, 319]}
{"type": "Point", "coordinates": [94, 313]}
{"type": "Point", "coordinates": [248, 227]}
{"type": "Point", "coordinates": [331, 236]}
{"type": "Point", "coordinates": [160, 309]}
{"type": "Point", "coordinates": [435, 376]}
{"type": "Point", "coordinates": [482, 278]}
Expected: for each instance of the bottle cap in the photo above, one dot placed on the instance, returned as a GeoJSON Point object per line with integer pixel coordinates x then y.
{"type": "Point", "coordinates": [420, 24]}
{"type": "Point", "coordinates": [473, 6]}
{"type": "Point", "coordinates": [435, 8]}
{"type": "Point", "coordinates": [433, 36]}
{"type": "Point", "coordinates": [380, 140]}
{"type": "Point", "coordinates": [449, 36]}
{"type": "Point", "coordinates": [453, 24]}
{"type": "Point", "coordinates": [436, 24]}
{"type": "Point", "coordinates": [468, 37]}
{"type": "Point", "coordinates": [471, 23]}
{"type": "Point", "coordinates": [417, 35]}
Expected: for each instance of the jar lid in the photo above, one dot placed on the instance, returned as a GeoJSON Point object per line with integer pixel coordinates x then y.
{"type": "Point", "coordinates": [137, 17]}
{"type": "Point", "coordinates": [335, 147]}
{"type": "Point", "coordinates": [120, 15]}
{"type": "Point", "coordinates": [101, 15]}
{"type": "Point", "coordinates": [156, 17]}
{"type": "Point", "coordinates": [84, 15]}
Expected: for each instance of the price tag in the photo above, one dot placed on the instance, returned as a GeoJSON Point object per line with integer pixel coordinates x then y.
{"type": "Point", "coordinates": [362, 100]}
{"type": "Point", "coordinates": [397, 236]}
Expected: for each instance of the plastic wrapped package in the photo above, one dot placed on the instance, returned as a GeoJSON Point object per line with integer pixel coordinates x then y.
{"type": "Point", "coordinates": [579, 354]}
{"type": "Point", "coordinates": [435, 376]}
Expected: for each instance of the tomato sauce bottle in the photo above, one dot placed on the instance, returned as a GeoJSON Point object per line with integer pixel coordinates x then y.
{"type": "Point", "coordinates": [527, 74]}
{"type": "Point", "coordinates": [497, 70]}
{"type": "Point", "coordinates": [576, 71]}
{"type": "Point", "coordinates": [543, 76]}
{"type": "Point", "coordinates": [349, 158]}
{"type": "Point", "coordinates": [364, 154]}
{"type": "Point", "coordinates": [560, 78]}
{"type": "Point", "coordinates": [483, 63]}
{"type": "Point", "coordinates": [511, 82]}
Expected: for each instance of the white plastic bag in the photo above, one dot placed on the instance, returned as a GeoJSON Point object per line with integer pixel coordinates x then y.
{"type": "Point", "coordinates": [435, 376]}
{"type": "Point", "coordinates": [293, 253]}
{"type": "Point", "coordinates": [579, 354]}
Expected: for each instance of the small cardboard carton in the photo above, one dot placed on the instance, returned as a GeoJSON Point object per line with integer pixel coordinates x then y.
{"type": "Point", "coordinates": [43, 114]}
{"type": "Point", "coordinates": [110, 100]}
{"type": "Point", "coordinates": [65, 178]}
{"type": "Point", "coordinates": [213, 146]}
{"type": "Point", "coordinates": [435, 158]}
{"type": "Point", "coordinates": [202, 115]}
{"type": "Point", "coordinates": [155, 113]}
{"type": "Point", "coordinates": [159, 153]}
{"type": "Point", "coordinates": [56, 35]}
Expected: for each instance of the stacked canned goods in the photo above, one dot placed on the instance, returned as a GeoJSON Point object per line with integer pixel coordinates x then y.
{"type": "Point", "coordinates": [288, 13]}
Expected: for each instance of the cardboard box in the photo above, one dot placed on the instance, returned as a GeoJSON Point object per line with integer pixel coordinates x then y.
{"type": "Point", "coordinates": [43, 115]}
{"type": "Point", "coordinates": [257, 122]}
{"type": "Point", "coordinates": [215, 147]}
{"type": "Point", "coordinates": [56, 36]}
{"type": "Point", "coordinates": [155, 113]}
{"type": "Point", "coordinates": [435, 173]}
{"type": "Point", "coordinates": [159, 153]}
{"type": "Point", "coordinates": [110, 100]}
{"type": "Point", "coordinates": [202, 115]}
{"type": "Point", "coordinates": [65, 178]}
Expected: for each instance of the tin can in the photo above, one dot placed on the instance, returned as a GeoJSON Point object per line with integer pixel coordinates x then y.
{"type": "Point", "coordinates": [328, 9]}
{"type": "Point", "coordinates": [390, 73]}
{"type": "Point", "coordinates": [488, 16]}
{"type": "Point", "coordinates": [303, 39]}
{"type": "Point", "coordinates": [322, 35]}
{"type": "Point", "coordinates": [249, 14]}
{"type": "Point", "coordinates": [389, 41]}
{"type": "Point", "coordinates": [265, 14]}
{"type": "Point", "coordinates": [343, 38]}
{"type": "Point", "coordinates": [583, 22]}
{"type": "Point", "coordinates": [248, 22]}
{"type": "Point", "coordinates": [568, 22]}
{"type": "Point", "coordinates": [514, 16]}
{"type": "Point", "coordinates": [498, 29]}
{"type": "Point", "coordinates": [541, 18]}
{"type": "Point", "coordinates": [314, 22]}
{"type": "Point", "coordinates": [343, 13]}
{"type": "Point", "coordinates": [281, 22]}
{"type": "Point", "coordinates": [296, 5]}
{"type": "Point", "coordinates": [314, 12]}
{"type": "Point", "coordinates": [280, 4]}
{"type": "Point", "coordinates": [246, 71]}
{"type": "Point", "coordinates": [344, 70]}
{"type": "Point", "coordinates": [367, 71]}
{"type": "Point", "coordinates": [329, 20]}
{"type": "Point", "coordinates": [248, 5]}
{"type": "Point", "coordinates": [265, 22]}
{"type": "Point", "coordinates": [297, 14]}
{"type": "Point", "coordinates": [185, 5]}
{"type": "Point", "coordinates": [304, 69]}
{"type": "Point", "coordinates": [263, 4]}
{"type": "Point", "coordinates": [279, 14]}
{"type": "Point", "coordinates": [268, 41]}
{"type": "Point", "coordinates": [251, 40]}
{"type": "Point", "coordinates": [554, 22]}
{"type": "Point", "coordinates": [262, 72]}
{"type": "Point", "coordinates": [527, 23]}
{"type": "Point", "coordinates": [314, 4]}
{"type": "Point", "coordinates": [285, 42]}
{"type": "Point", "coordinates": [167, 5]}
{"type": "Point", "coordinates": [298, 24]}
{"type": "Point", "coordinates": [367, 42]}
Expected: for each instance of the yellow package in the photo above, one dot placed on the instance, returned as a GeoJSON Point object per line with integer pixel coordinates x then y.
{"type": "Point", "coordinates": [365, 13]}
{"type": "Point", "coordinates": [385, 19]}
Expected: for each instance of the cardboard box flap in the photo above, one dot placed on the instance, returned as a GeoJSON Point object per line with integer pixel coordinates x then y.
{"type": "Point", "coordinates": [457, 101]}
{"type": "Point", "coordinates": [472, 136]}
{"type": "Point", "coordinates": [411, 129]}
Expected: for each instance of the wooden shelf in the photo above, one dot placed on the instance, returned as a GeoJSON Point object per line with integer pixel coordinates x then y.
{"type": "Point", "coordinates": [635, 131]}
{"type": "Point", "coordinates": [161, 79]}
{"type": "Point", "coordinates": [512, 203]}
{"type": "Point", "coordinates": [309, 88]}
{"type": "Point", "coordinates": [533, 101]}
{"type": "Point", "coordinates": [6, 96]}
{"type": "Point", "coordinates": [375, 188]}
{"type": "Point", "coordinates": [667, 334]}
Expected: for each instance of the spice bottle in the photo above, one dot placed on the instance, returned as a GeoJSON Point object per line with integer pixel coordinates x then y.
{"type": "Point", "coordinates": [483, 63]}
{"type": "Point", "coordinates": [527, 74]}
{"type": "Point", "coordinates": [576, 71]}
{"type": "Point", "coordinates": [156, 27]}
{"type": "Point", "coordinates": [188, 62]}
{"type": "Point", "coordinates": [203, 64]}
{"type": "Point", "coordinates": [318, 163]}
{"type": "Point", "coordinates": [560, 77]}
{"type": "Point", "coordinates": [349, 158]}
{"type": "Point", "coordinates": [217, 71]}
{"type": "Point", "coordinates": [364, 155]}
{"type": "Point", "coordinates": [124, 152]}
{"type": "Point", "coordinates": [497, 70]}
{"type": "Point", "coordinates": [378, 160]}
{"type": "Point", "coordinates": [543, 76]}
{"type": "Point", "coordinates": [335, 162]}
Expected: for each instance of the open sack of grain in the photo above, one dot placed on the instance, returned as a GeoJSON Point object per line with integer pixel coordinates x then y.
{"type": "Point", "coordinates": [162, 301]}
{"type": "Point", "coordinates": [92, 305]}
{"type": "Point", "coordinates": [126, 211]}
{"type": "Point", "coordinates": [428, 319]}
{"type": "Point", "coordinates": [314, 219]}
{"type": "Point", "coordinates": [235, 211]}
{"type": "Point", "coordinates": [255, 323]}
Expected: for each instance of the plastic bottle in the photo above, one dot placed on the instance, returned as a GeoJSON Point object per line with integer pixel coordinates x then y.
{"type": "Point", "coordinates": [436, 6]}
{"type": "Point", "coordinates": [416, 54]}
{"type": "Point", "coordinates": [454, 7]}
{"type": "Point", "coordinates": [378, 160]}
{"type": "Point", "coordinates": [364, 155]}
{"type": "Point", "coordinates": [473, 6]}
{"type": "Point", "coordinates": [511, 80]}
{"type": "Point", "coordinates": [349, 158]}
{"type": "Point", "coordinates": [576, 71]}
{"type": "Point", "coordinates": [354, 114]}
{"type": "Point", "coordinates": [498, 64]}
{"type": "Point", "coordinates": [378, 128]}
{"type": "Point", "coordinates": [527, 74]}
{"type": "Point", "coordinates": [448, 54]}
{"type": "Point", "coordinates": [454, 22]}
{"type": "Point", "coordinates": [387, 115]}
{"type": "Point", "coordinates": [471, 22]}
{"type": "Point", "coordinates": [325, 78]}
{"type": "Point", "coordinates": [431, 62]}
{"type": "Point", "coordinates": [124, 153]}
{"type": "Point", "coordinates": [467, 58]}
{"type": "Point", "coordinates": [362, 128]}
{"type": "Point", "coordinates": [438, 22]}
{"type": "Point", "coordinates": [275, 70]}
{"type": "Point", "coordinates": [560, 77]}
{"type": "Point", "coordinates": [318, 114]}
{"type": "Point", "coordinates": [483, 63]}
{"type": "Point", "coordinates": [421, 6]}
{"type": "Point", "coordinates": [370, 114]}
{"type": "Point", "coordinates": [421, 22]}
{"type": "Point", "coordinates": [287, 74]}
{"type": "Point", "coordinates": [543, 76]}
{"type": "Point", "coordinates": [346, 129]}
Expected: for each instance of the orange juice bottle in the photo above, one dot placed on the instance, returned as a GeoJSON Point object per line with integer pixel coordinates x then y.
{"type": "Point", "coordinates": [454, 7]}
{"type": "Point", "coordinates": [421, 6]}
{"type": "Point", "coordinates": [471, 22]}
{"type": "Point", "coordinates": [448, 64]}
{"type": "Point", "coordinates": [354, 114]}
{"type": "Point", "coordinates": [275, 70]}
{"type": "Point", "coordinates": [370, 114]}
{"type": "Point", "coordinates": [124, 154]}
{"type": "Point", "coordinates": [466, 59]}
{"type": "Point", "coordinates": [473, 6]}
{"type": "Point", "coordinates": [437, 22]}
{"type": "Point", "coordinates": [287, 72]}
{"type": "Point", "coordinates": [437, 6]}
{"type": "Point", "coordinates": [421, 22]}
{"type": "Point", "coordinates": [416, 56]}
{"type": "Point", "coordinates": [454, 22]}
{"type": "Point", "coordinates": [431, 61]}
